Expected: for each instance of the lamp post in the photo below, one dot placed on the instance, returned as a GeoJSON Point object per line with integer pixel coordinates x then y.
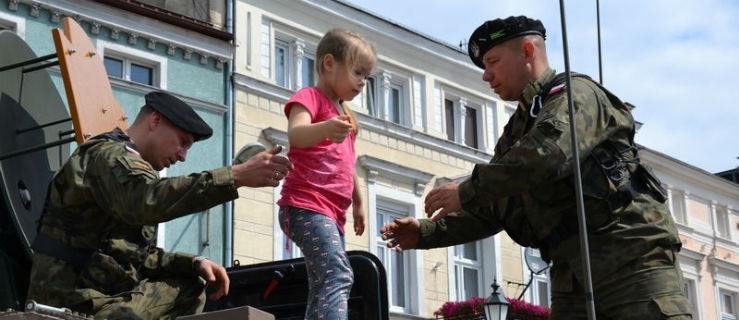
{"type": "Point", "coordinates": [496, 306]}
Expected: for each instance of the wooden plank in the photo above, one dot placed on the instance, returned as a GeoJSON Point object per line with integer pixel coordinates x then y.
{"type": "Point", "coordinates": [92, 106]}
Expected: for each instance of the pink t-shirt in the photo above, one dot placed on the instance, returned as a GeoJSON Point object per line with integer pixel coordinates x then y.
{"type": "Point", "coordinates": [323, 177]}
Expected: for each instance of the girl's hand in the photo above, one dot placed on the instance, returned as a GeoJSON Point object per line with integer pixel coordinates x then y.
{"type": "Point", "coordinates": [337, 128]}
{"type": "Point", "coordinates": [359, 219]}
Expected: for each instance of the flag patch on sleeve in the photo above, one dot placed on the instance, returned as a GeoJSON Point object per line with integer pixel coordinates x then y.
{"type": "Point", "coordinates": [556, 89]}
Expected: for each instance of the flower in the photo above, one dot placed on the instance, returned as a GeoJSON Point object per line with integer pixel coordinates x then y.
{"type": "Point", "coordinates": [457, 310]}
{"type": "Point", "coordinates": [473, 309]}
{"type": "Point", "coordinates": [519, 309]}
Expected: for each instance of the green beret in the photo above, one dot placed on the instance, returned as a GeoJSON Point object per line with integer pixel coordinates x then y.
{"type": "Point", "coordinates": [179, 113]}
{"type": "Point", "coordinates": [494, 32]}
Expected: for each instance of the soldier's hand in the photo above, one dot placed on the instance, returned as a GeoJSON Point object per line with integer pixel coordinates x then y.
{"type": "Point", "coordinates": [265, 169]}
{"type": "Point", "coordinates": [215, 275]}
{"type": "Point", "coordinates": [444, 198]}
{"type": "Point", "coordinates": [402, 234]}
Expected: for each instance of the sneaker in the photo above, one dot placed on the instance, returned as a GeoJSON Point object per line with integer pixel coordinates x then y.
{"type": "Point", "coordinates": [248, 151]}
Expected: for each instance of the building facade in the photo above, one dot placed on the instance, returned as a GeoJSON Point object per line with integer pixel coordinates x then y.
{"type": "Point", "coordinates": [425, 116]}
{"type": "Point", "coordinates": [173, 46]}
{"type": "Point", "coordinates": [706, 210]}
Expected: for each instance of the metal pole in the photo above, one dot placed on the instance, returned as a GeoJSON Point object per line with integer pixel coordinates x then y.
{"type": "Point", "coordinates": [600, 63]}
{"type": "Point", "coordinates": [584, 250]}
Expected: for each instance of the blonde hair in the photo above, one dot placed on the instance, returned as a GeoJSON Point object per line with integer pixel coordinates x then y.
{"type": "Point", "coordinates": [347, 48]}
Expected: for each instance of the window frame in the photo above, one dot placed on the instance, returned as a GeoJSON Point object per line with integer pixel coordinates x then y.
{"type": "Point", "coordinates": [394, 209]}
{"type": "Point", "coordinates": [130, 55]}
{"type": "Point", "coordinates": [297, 49]}
{"type": "Point", "coordinates": [371, 104]}
{"type": "Point", "coordinates": [378, 173]}
{"type": "Point", "coordinates": [458, 266]}
{"type": "Point", "coordinates": [678, 207]}
{"type": "Point", "coordinates": [722, 222]}
{"type": "Point", "coordinates": [724, 296]}
{"type": "Point", "coordinates": [460, 105]}
{"type": "Point", "coordinates": [13, 23]}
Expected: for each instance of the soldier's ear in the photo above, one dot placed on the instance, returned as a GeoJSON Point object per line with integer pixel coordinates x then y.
{"type": "Point", "coordinates": [529, 51]}
{"type": "Point", "coordinates": [154, 121]}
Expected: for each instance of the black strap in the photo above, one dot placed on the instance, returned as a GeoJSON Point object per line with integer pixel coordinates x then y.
{"type": "Point", "coordinates": [55, 248]}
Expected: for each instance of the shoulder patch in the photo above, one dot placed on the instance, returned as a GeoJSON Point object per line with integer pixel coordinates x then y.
{"type": "Point", "coordinates": [136, 166]}
{"type": "Point", "coordinates": [556, 89]}
{"type": "Point", "coordinates": [132, 150]}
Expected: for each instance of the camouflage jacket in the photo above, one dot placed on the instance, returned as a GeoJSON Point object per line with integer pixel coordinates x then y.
{"type": "Point", "coordinates": [527, 188]}
{"type": "Point", "coordinates": [105, 203]}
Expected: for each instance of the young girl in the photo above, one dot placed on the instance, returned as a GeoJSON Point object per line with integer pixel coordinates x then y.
{"type": "Point", "coordinates": [316, 194]}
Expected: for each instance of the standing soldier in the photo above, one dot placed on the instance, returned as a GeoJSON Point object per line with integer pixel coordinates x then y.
{"type": "Point", "coordinates": [96, 251]}
{"type": "Point", "coordinates": [527, 188]}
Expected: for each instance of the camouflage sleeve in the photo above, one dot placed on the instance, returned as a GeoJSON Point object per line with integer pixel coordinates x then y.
{"type": "Point", "coordinates": [544, 153]}
{"type": "Point", "coordinates": [170, 264]}
{"type": "Point", "coordinates": [132, 191]}
{"type": "Point", "coordinates": [458, 228]}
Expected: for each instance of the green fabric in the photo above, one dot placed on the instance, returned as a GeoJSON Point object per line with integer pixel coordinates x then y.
{"type": "Point", "coordinates": [107, 200]}
{"type": "Point", "coordinates": [527, 189]}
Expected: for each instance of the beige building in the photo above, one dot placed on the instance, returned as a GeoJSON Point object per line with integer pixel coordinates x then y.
{"type": "Point", "coordinates": [706, 209]}
{"type": "Point", "coordinates": [427, 118]}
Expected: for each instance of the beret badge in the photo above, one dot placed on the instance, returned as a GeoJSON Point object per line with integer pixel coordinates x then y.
{"type": "Point", "coordinates": [474, 49]}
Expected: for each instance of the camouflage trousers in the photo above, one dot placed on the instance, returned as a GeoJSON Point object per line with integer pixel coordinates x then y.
{"type": "Point", "coordinates": [655, 292]}
{"type": "Point", "coordinates": [56, 283]}
{"type": "Point", "coordinates": [164, 299]}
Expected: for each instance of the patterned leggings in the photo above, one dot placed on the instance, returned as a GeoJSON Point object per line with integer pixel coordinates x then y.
{"type": "Point", "coordinates": [330, 276]}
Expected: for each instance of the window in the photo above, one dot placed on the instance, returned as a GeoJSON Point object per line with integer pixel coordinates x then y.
{"type": "Point", "coordinates": [722, 222]}
{"type": "Point", "coordinates": [387, 98]}
{"type": "Point", "coordinates": [470, 127]}
{"type": "Point", "coordinates": [281, 64]}
{"type": "Point", "coordinates": [128, 70]}
{"type": "Point", "coordinates": [728, 305]}
{"type": "Point", "coordinates": [133, 65]}
{"type": "Point", "coordinates": [397, 264]}
{"type": "Point", "coordinates": [286, 58]}
{"type": "Point", "coordinates": [462, 120]}
{"type": "Point", "coordinates": [541, 290]}
{"type": "Point", "coordinates": [449, 115]}
{"type": "Point", "coordinates": [677, 205]}
{"type": "Point", "coordinates": [395, 191]}
{"type": "Point", "coordinates": [467, 271]}
{"type": "Point", "coordinates": [290, 250]}
{"type": "Point", "coordinates": [370, 91]}
{"type": "Point", "coordinates": [395, 104]}
{"type": "Point", "coordinates": [308, 73]}
{"type": "Point", "coordinates": [690, 293]}
{"type": "Point", "coordinates": [13, 23]}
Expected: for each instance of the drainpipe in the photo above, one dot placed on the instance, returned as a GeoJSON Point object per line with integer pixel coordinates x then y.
{"type": "Point", "coordinates": [228, 77]}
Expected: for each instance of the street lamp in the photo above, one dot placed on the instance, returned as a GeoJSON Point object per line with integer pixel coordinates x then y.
{"type": "Point", "coordinates": [496, 306]}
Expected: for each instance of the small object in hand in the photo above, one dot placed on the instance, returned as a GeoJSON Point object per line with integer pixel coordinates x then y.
{"type": "Point", "coordinates": [248, 151]}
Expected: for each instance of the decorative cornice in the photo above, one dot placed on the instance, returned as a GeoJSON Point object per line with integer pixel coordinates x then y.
{"type": "Point", "coordinates": [275, 136]}
{"type": "Point", "coordinates": [96, 18]}
{"type": "Point", "coordinates": [413, 177]}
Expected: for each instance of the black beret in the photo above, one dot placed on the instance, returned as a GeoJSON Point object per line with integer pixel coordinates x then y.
{"type": "Point", "coordinates": [495, 32]}
{"type": "Point", "coordinates": [179, 113]}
